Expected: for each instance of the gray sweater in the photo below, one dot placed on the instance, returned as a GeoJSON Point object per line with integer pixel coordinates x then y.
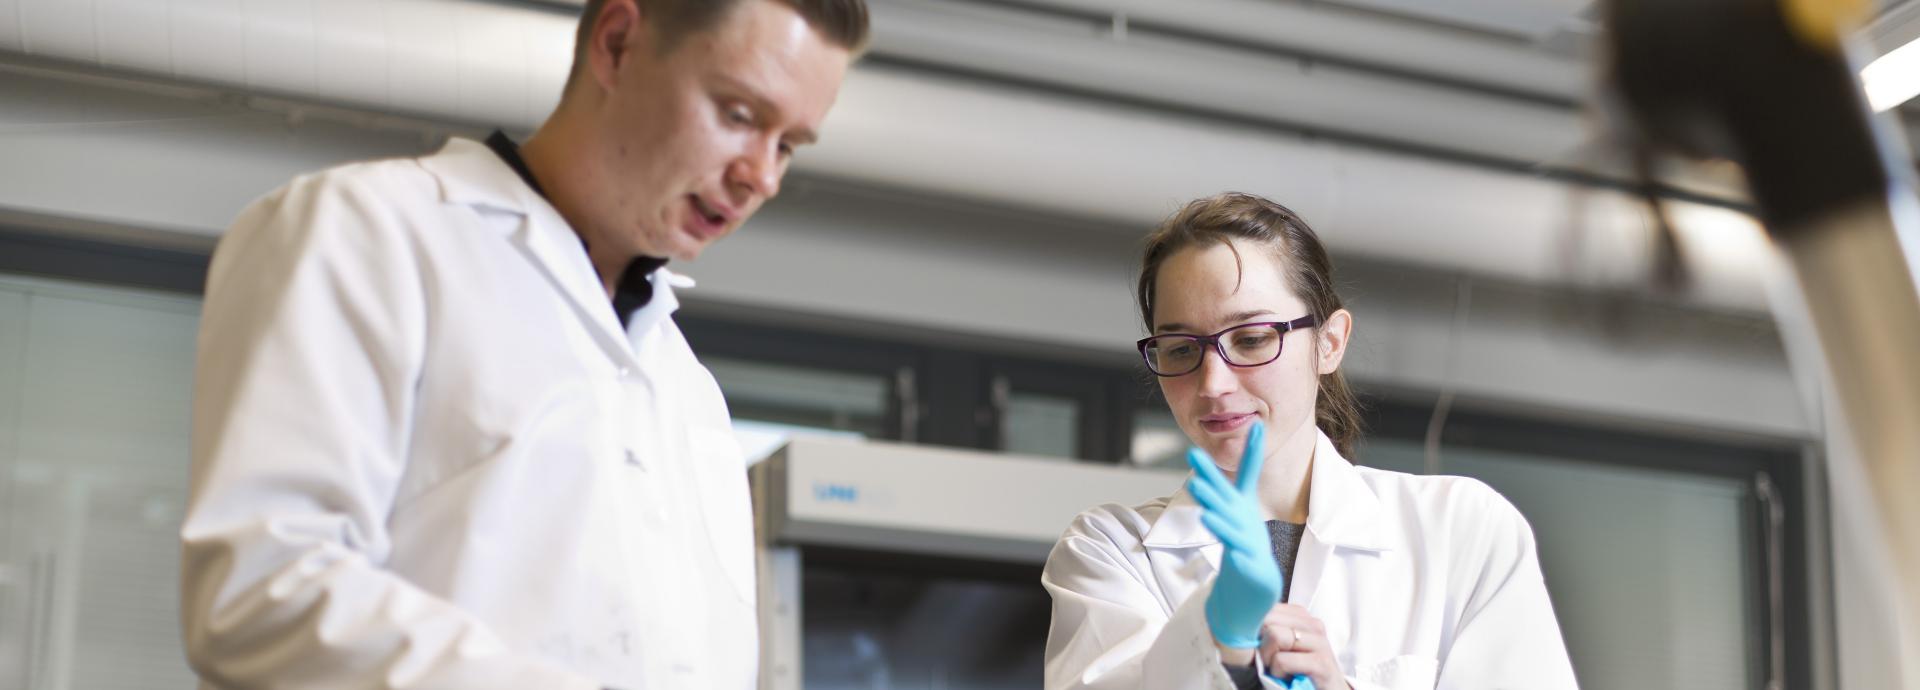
{"type": "Point", "coordinates": [1286, 547]}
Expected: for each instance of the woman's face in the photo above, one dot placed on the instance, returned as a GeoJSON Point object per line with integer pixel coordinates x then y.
{"type": "Point", "coordinates": [1202, 290]}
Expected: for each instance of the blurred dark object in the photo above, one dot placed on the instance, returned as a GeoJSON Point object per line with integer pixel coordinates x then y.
{"type": "Point", "coordinates": [1735, 79]}
{"type": "Point", "coordinates": [1768, 85]}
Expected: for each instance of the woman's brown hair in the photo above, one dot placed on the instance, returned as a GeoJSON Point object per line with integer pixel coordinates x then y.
{"type": "Point", "coordinates": [1223, 217]}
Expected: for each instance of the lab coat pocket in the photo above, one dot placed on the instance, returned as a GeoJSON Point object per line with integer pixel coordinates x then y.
{"type": "Point", "coordinates": [725, 505]}
{"type": "Point", "coordinates": [1401, 673]}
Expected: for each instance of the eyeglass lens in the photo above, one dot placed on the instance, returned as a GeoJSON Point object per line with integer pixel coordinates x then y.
{"type": "Point", "coordinates": [1250, 345]}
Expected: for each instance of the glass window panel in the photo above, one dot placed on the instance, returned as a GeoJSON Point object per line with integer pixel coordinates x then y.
{"type": "Point", "coordinates": [1158, 440]}
{"type": "Point", "coordinates": [1394, 454]}
{"type": "Point", "coordinates": [127, 613]}
{"type": "Point", "coordinates": [1650, 571]}
{"type": "Point", "coordinates": [100, 387]}
{"type": "Point", "coordinates": [1044, 425]}
{"type": "Point", "coordinates": [109, 385]}
{"type": "Point", "coordinates": [771, 403]}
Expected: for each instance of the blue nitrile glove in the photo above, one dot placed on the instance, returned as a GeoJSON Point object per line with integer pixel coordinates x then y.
{"type": "Point", "coordinates": [1249, 582]}
{"type": "Point", "coordinates": [1298, 682]}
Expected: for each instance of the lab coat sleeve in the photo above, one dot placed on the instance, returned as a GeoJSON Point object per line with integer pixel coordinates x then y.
{"type": "Point", "coordinates": [310, 344]}
{"type": "Point", "coordinates": [1507, 636]}
{"type": "Point", "coordinates": [1109, 631]}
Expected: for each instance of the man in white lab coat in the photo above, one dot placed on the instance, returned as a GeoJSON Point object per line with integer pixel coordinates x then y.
{"type": "Point", "coordinates": [446, 433]}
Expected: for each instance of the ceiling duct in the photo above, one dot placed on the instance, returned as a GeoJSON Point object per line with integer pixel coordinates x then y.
{"type": "Point", "coordinates": [495, 63]}
{"type": "Point", "coordinates": [1357, 38]}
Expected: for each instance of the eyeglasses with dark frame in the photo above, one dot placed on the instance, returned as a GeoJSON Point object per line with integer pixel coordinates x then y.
{"type": "Point", "coordinates": [1253, 344]}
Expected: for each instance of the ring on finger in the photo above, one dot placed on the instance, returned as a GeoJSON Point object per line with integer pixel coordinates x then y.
{"type": "Point", "coordinates": [1296, 640]}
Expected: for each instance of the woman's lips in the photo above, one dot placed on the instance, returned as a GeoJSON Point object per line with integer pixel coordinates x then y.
{"type": "Point", "coordinates": [1222, 423]}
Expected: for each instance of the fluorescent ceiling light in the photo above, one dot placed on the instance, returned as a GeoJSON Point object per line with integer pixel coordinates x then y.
{"type": "Point", "coordinates": [1893, 78]}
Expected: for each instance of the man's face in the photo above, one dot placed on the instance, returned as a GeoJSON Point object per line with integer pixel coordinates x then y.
{"type": "Point", "coordinates": [698, 137]}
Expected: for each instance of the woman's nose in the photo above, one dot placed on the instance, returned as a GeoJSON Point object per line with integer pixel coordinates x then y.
{"type": "Point", "coordinates": [1217, 378]}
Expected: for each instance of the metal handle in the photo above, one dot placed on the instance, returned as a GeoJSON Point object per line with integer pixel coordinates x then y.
{"type": "Point", "coordinates": [1772, 524]}
{"type": "Point", "coordinates": [908, 397]}
{"type": "Point", "coordinates": [994, 418]}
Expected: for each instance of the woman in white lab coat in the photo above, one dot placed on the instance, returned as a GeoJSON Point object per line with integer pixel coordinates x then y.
{"type": "Point", "coordinates": [1396, 581]}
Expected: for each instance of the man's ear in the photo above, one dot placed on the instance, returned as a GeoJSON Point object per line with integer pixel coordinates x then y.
{"type": "Point", "coordinates": [619, 33]}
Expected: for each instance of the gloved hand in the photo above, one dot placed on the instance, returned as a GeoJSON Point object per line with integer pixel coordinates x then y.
{"type": "Point", "coordinates": [1249, 582]}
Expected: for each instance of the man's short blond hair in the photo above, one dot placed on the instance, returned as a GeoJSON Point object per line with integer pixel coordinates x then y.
{"type": "Point", "coordinates": [842, 23]}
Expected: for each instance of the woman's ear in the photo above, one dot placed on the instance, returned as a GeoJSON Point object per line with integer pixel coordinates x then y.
{"type": "Point", "coordinates": [1332, 340]}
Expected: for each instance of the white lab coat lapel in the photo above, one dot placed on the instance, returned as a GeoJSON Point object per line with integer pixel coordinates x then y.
{"type": "Point", "coordinates": [1179, 527]}
{"type": "Point", "coordinates": [1342, 513]}
{"type": "Point", "coordinates": [473, 175]}
{"type": "Point", "coordinates": [665, 302]}
{"type": "Point", "coordinates": [1171, 544]}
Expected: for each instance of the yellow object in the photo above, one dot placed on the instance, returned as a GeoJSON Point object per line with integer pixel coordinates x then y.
{"type": "Point", "coordinates": [1823, 23]}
